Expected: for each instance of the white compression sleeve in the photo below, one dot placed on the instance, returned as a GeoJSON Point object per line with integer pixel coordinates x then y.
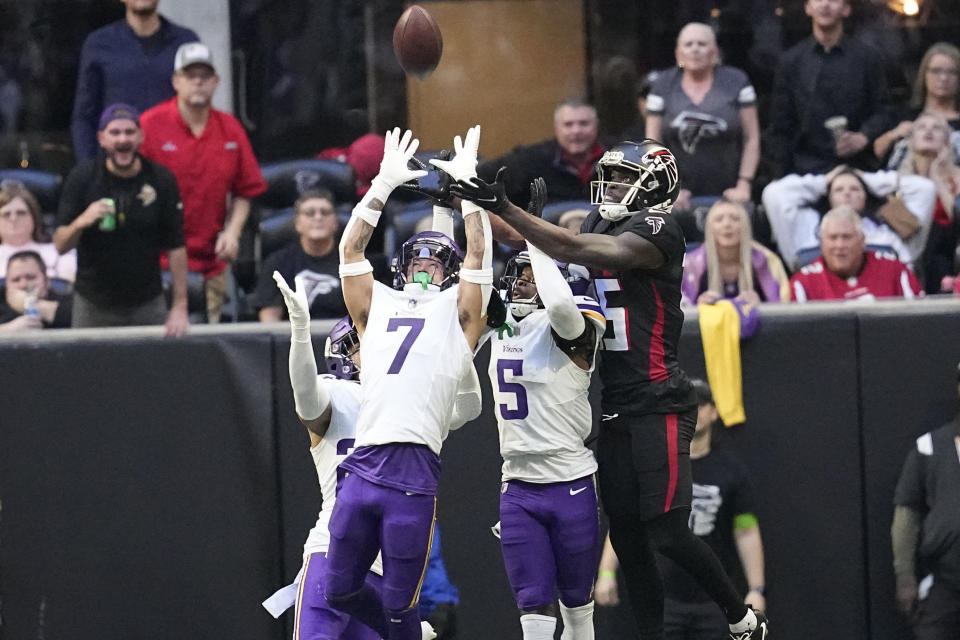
{"type": "Point", "coordinates": [310, 397]}
{"type": "Point", "coordinates": [443, 220]}
{"type": "Point", "coordinates": [565, 316]}
{"type": "Point", "coordinates": [468, 402]}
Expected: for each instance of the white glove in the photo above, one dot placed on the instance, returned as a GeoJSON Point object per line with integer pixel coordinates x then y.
{"type": "Point", "coordinates": [464, 163]}
{"type": "Point", "coordinates": [396, 154]}
{"type": "Point", "coordinates": [298, 308]}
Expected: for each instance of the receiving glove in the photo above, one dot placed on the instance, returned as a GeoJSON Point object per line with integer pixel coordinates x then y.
{"type": "Point", "coordinates": [394, 168]}
{"type": "Point", "coordinates": [491, 197]}
{"type": "Point", "coordinates": [464, 163]}
{"type": "Point", "coordinates": [439, 196]}
{"type": "Point", "coordinates": [298, 308]}
{"type": "Point", "coordinates": [538, 197]}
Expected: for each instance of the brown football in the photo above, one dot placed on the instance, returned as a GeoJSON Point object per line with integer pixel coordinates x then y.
{"type": "Point", "coordinates": [417, 42]}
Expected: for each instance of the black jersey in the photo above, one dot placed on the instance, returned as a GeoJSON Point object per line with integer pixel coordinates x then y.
{"type": "Point", "coordinates": [639, 367]}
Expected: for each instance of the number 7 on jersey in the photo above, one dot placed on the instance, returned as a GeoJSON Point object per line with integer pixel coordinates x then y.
{"type": "Point", "coordinates": [415, 326]}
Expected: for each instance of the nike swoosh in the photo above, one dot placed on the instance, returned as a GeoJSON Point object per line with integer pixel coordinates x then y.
{"type": "Point", "coordinates": [608, 416]}
{"type": "Point", "coordinates": [573, 493]}
{"type": "Point", "coordinates": [486, 200]}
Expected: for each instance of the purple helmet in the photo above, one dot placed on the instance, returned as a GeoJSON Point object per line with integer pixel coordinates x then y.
{"type": "Point", "coordinates": [577, 277]}
{"type": "Point", "coordinates": [428, 244]}
{"type": "Point", "coordinates": [342, 343]}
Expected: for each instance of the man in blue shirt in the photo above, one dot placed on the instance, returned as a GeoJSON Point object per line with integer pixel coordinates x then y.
{"type": "Point", "coordinates": [127, 61]}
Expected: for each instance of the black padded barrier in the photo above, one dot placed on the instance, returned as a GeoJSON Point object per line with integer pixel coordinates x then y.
{"type": "Point", "coordinates": [157, 489]}
{"type": "Point", "coordinates": [139, 487]}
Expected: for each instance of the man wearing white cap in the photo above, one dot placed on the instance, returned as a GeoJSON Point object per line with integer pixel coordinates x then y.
{"type": "Point", "coordinates": [209, 153]}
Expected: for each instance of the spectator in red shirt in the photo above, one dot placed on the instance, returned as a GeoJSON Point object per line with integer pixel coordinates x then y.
{"type": "Point", "coordinates": [209, 153]}
{"type": "Point", "coordinates": [846, 270]}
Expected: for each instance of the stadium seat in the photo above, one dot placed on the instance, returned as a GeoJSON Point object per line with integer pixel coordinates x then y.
{"type": "Point", "coordinates": [287, 180]}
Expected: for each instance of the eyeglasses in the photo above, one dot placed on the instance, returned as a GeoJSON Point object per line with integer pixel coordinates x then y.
{"type": "Point", "coordinates": [312, 212]}
{"type": "Point", "coordinates": [942, 71]}
{"type": "Point", "coordinates": [14, 213]}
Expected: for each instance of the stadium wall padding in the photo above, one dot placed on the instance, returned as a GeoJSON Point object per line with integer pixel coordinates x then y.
{"type": "Point", "coordinates": [157, 489]}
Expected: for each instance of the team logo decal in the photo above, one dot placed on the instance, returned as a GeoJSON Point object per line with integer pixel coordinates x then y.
{"type": "Point", "coordinates": [655, 222]}
{"type": "Point", "coordinates": [147, 195]}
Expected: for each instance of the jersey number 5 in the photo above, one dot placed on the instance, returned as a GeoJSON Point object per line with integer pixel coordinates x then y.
{"type": "Point", "coordinates": [615, 338]}
{"type": "Point", "coordinates": [515, 367]}
{"type": "Point", "coordinates": [416, 326]}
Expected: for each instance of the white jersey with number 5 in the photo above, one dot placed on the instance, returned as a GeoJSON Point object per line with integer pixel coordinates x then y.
{"type": "Point", "coordinates": [413, 354]}
{"type": "Point", "coordinates": [336, 444]}
{"type": "Point", "coordinates": [540, 400]}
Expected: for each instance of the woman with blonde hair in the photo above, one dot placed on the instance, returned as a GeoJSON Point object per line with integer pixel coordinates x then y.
{"type": "Point", "coordinates": [930, 154]}
{"type": "Point", "coordinates": [936, 90]}
{"type": "Point", "coordinates": [705, 112]}
{"type": "Point", "coordinates": [21, 229]}
{"type": "Point", "coordinates": [730, 263]}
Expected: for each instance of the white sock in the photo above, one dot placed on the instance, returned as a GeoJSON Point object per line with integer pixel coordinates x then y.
{"type": "Point", "coordinates": [577, 622]}
{"type": "Point", "coordinates": [749, 623]}
{"type": "Point", "coordinates": [537, 627]}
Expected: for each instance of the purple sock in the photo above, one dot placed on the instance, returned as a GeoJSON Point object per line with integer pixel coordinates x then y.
{"type": "Point", "coordinates": [364, 605]}
{"type": "Point", "coordinates": [404, 625]}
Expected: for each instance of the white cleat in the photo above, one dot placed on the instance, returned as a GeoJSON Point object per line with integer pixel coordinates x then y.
{"type": "Point", "coordinates": [426, 630]}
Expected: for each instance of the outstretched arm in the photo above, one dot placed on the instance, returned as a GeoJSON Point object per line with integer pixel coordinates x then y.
{"type": "Point", "coordinates": [476, 273]}
{"type": "Point", "coordinates": [616, 253]}
{"type": "Point", "coordinates": [311, 398]}
{"type": "Point", "coordinates": [356, 272]}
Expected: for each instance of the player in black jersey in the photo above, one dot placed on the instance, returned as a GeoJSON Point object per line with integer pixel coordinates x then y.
{"type": "Point", "coordinates": [635, 249]}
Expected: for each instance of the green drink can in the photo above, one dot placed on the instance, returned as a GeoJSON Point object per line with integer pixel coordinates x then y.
{"type": "Point", "coordinates": [109, 221]}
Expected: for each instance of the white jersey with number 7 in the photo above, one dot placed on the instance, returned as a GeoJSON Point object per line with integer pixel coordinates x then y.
{"type": "Point", "coordinates": [413, 354]}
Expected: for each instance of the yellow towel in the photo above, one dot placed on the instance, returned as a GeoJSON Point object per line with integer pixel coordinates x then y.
{"type": "Point", "coordinates": [720, 332]}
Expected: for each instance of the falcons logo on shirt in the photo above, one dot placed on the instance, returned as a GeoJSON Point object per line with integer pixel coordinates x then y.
{"type": "Point", "coordinates": [656, 222]}
{"type": "Point", "coordinates": [692, 127]}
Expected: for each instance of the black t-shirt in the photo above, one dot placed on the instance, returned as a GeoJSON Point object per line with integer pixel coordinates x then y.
{"type": "Point", "coordinates": [930, 484]}
{"type": "Point", "coordinates": [319, 273]}
{"type": "Point", "coordinates": [121, 268]}
{"type": "Point", "coordinates": [639, 367]}
{"type": "Point", "coordinates": [61, 318]}
{"type": "Point", "coordinates": [721, 492]}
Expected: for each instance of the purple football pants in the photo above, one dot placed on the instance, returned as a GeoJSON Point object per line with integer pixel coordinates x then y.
{"type": "Point", "coordinates": [548, 534]}
{"type": "Point", "coordinates": [315, 618]}
{"type": "Point", "coordinates": [368, 518]}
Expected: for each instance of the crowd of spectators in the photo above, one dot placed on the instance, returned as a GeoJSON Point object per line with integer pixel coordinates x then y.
{"type": "Point", "coordinates": [833, 125]}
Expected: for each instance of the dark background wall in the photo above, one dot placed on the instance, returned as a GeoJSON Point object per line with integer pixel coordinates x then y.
{"type": "Point", "coordinates": [162, 489]}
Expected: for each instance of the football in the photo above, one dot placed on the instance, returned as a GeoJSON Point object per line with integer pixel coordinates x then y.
{"type": "Point", "coordinates": [417, 42]}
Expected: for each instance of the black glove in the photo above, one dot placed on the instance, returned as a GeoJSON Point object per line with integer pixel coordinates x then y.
{"type": "Point", "coordinates": [496, 310]}
{"type": "Point", "coordinates": [439, 196]}
{"type": "Point", "coordinates": [538, 197]}
{"type": "Point", "coordinates": [491, 197]}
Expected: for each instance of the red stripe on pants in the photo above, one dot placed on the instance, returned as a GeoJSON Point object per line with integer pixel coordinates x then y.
{"type": "Point", "coordinates": [671, 420]}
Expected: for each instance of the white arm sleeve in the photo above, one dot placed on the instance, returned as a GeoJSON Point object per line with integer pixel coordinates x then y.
{"type": "Point", "coordinates": [789, 206]}
{"type": "Point", "coordinates": [443, 220]}
{"type": "Point", "coordinates": [565, 316]}
{"type": "Point", "coordinates": [468, 402]}
{"type": "Point", "coordinates": [309, 396]}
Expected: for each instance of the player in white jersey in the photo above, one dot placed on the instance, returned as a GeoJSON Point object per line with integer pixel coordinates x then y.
{"type": "Point", "coordinates": [328, 406]}
{"type": "Point", "coordinates": [540, 370]}
{"type": "Point", "coordinates": [417, 342]}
